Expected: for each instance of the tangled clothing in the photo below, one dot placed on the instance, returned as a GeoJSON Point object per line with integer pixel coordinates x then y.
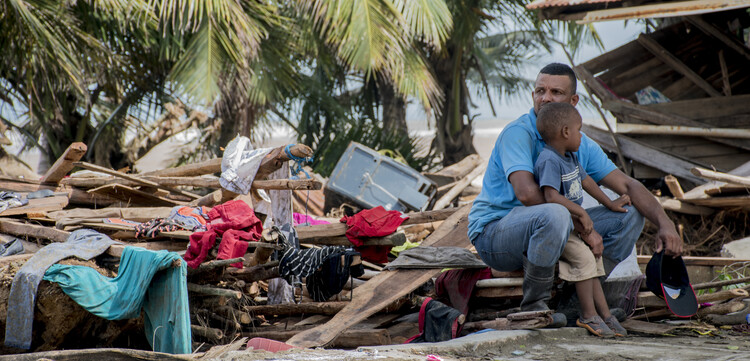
{"type": "Point", "coordinates": [146, 279]}
{"type": "Point", "coordinates": [190, 218]}
{"type": "Point", "coordinates": [155, 226]}
{"type": "Point", "coordinates": [458, 284]}
{"type": "Point", "coordinates": [239, 165]}
{"type": "Point", "coordinates": [437, 322]}
{"type": "Point", "coordinates": [375, 222]}
{"type": "Point", "coordinates": [83, 243]}
{"type": "Point", "coordinates": [422, 257]}
{"type": "Point", "coordinates": [236, 223]}
{"type": "Point", "coordinates": [329, 279]}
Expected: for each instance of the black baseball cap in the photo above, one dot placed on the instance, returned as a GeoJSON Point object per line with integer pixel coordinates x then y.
{"type": "Point", "coordinates": [667, 278]}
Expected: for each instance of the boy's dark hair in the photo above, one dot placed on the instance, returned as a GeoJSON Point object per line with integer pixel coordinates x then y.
{"type": "Point", "coordinates": [560, 69]}
{"type": "Point", "coordinates": [553, 117]}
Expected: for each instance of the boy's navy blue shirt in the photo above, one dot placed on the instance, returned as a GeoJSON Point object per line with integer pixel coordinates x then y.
{"type": "Point", "coordinates": [563, 173]}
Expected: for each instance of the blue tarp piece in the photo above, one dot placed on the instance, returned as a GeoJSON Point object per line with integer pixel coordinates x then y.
{"type": "Point", "coordinates": [83, 243]}
{"type": "Point", "coordinates": [146, 280]}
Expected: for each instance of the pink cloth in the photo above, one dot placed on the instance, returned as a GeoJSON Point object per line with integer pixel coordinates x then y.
{"type": "Point", "coordinates": [303, 218]}
{"type": "Point", "coordinates": [236, 223]}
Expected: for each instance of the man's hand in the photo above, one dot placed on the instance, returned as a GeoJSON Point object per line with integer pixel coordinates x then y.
{"type": "Point", "coordinates": [618, 204]}
{"type": "Point", "coordinates": [668, 239]}
{"type": "Point", "coordinates": [594, 240]}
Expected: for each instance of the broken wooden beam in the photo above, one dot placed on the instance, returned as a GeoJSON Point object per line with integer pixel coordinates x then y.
{"type": "Point", "coordinates": [719, 34]}
{"type": "Point", "coordinates": [674, 186]}
{"type": "Point", "coordinates": [207, 332]}
{"type": "Point", "coordinates": [719, 176]}
{"type": "Point", "coordinates": [347, 339]}
{"type": "Point", "coordinates": [721, 309]}
{"type": "Point", "coordinates": [675, 205]}
{"type": "Point", "coordinates": [136, 179]}
{"type": "Point", "coordinates": [253, 274]}
{"type": "Point", "coordinates": [286, 309]}
{"type": "Point", "coordinates": [700, 261]}
{"type": "Point", "coordinates": [132, 195]}
{"type": "Point", "coordinates": [455, 172]}
{"type": "Point", "coordinates": [200, 182]}
{"type": "Point", "coordinates": [64, 164]}
{"type": "Point", "coordinates": [446, 199]}
{"type": "Point", "coordinates": [648, 299]}
{"type": "Point", "coordinates": [393, 239]}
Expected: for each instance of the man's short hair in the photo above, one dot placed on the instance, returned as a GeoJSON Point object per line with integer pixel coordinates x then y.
{"type": "Point", "coordinates": [553, 117]}
{"type": "Point", "coordinates": [560, 69]}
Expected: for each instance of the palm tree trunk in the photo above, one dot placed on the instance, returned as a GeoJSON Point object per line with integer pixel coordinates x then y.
{"type": "Point", "coordinates": [394, 106]}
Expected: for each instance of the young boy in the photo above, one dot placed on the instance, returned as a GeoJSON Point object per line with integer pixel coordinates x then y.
{"type": "Point", "coordinates": [563, 180]}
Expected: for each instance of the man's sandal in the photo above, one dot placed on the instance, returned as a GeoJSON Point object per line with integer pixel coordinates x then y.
{"type": "Point", "coordinates": [615, 326]}
{"type": "Point", "coordinates": [596, 326]}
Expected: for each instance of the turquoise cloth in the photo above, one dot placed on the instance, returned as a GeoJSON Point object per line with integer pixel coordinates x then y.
{"type": "Point", "coordinates": [146, 280]}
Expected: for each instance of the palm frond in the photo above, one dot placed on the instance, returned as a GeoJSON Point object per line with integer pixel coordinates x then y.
{"type": "Point", "coordinates": [430, 20]}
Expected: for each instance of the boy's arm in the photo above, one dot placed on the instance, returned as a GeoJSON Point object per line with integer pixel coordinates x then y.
{"type": "Point", "coordinates": [551, 195]}
{"type": "Point", "coordinates": [593, 189]}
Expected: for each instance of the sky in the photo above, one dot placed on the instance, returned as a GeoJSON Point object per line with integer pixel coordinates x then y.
{"type": "Point", "coordinates": [613, 34]}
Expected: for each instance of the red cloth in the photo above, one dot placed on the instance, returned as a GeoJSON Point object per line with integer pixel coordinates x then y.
{"type": "Point", "coordinates": [375, 222]}
{"type": "Point", "coordinates": [236, 223]}
{"type": "Point", "coordinates": [458, 285]}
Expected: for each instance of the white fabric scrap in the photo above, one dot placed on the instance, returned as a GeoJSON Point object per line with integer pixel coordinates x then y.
{"type": "Point", "coordinates": [240, 164]}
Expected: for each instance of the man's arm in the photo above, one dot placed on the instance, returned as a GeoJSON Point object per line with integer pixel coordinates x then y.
{"type": "Point", "coordinates": [525, 187]}
{"type": "Point", "coordinates": [645, 202]}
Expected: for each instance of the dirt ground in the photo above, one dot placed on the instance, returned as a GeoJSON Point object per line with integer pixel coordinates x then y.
{"type": "Point", "coordinates": [550, 346]}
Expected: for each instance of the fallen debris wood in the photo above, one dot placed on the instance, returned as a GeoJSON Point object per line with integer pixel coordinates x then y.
{"type": "Point", "coordinates": [212, 334]}
{"type": "Point", "coordinates": [627, 128]}
{"type": "Point", "coordinates": [306, 308]}
{"type": "Point", "coordinates": [388, 286]}
{"type": "Point", "coordinates": [446, 199]}
{"type": "Point", "coordinates": [721, 309]}
{"type": "Point", "coordinates": [64, 164]}
{"type": "Point", "coordinates": [134, 179]}
{"type": "Point", "coordinates": [213, 291]}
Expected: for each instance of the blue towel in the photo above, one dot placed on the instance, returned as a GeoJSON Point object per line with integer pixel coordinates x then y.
{"type": "Point", "coordinates": [83, 243]}
{"type": "Point", "coordinates": [146, 280]}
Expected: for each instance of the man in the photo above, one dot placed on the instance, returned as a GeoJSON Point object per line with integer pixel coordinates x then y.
{"type": "Point", "coordinates": [511, 226]}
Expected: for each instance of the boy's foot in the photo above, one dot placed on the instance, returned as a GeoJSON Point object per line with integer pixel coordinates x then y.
{"type": "Point", "coordinates": [615, 326]}
{"type": "Point", "coordinates": [596, 326]}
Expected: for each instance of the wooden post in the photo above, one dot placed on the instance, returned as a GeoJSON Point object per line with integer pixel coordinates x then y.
{"type": "Point", "coordinates": [674, 186]}
{"type": "Point", "coordinates": [64, 164]}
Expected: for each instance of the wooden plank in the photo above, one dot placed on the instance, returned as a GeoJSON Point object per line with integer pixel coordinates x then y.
{"type": "Point", "coordinates": [136, 179]}
{"type": "Point", "coordinates": [719, 34]}
{"type": "Point", "coordinates": [676, 205]}
{"type": "Point", "coordinates": [704, 108]}
{"type": "Point", "coordinates": [339, 229]}
{"type": "Point", "coordinates": [671, 60]}
{"type": "Point", "coordinates": [674, 186]}
{"type": "Point", "coordinates": [75, 195]}
{"type": "Point", "coordinates": [305, 308]}
{"type": "Point", "coordinates": [393, 239]}
{"type": "Point", "coordinates": [655, 10]}
{"type": "Point", "coordinates": [134, 196]}
{"type": "Point", "coordinates": [644, 154]}
{"type": "Point", "coordinates": [721, 202]}
{"type": "Point", "coordinates": [21, 229]}
{"type": "Point", "coordinates": [203, 182]}
{"type": "Point", "coordinates": [738, 133]}
{"type": "Point", "coordinates": [456, 171]}
{"type": "Point", "coordinates": [724, 74]}
{"type": "Point", "coordinates": [701, 261]}
{"type": "Point", "coordinates": [648, 327]}
{"type": "Point", "coordinates": [64, 164]}
{"type": "Point", "coordinates": [718, 176]}
{"type": "Point", "coordinates": [347, 339]}
{"type": "Point", "coordinates": [661, 117]}
{"type": "Point", "coordinates": [189, 170]}
{"type": "Point", "coordinates": [388, 286]}
{"type": "Point", "coordinates": [499, 292]}
{"type": "Point", "coordinates": [47, 204]}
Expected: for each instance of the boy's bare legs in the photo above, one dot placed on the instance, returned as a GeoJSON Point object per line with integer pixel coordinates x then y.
{"type": "Point", "coordinates": [590, 320]}
{"type": "Point", "coordinates": [585, 291]}
{"type": "Point", "coordinates": [599, 300]}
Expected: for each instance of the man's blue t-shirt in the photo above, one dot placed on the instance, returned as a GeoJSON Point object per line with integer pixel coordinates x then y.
{"type": "Point", "coordinates": [517, 148]}
{"type": "Point", "coordinates": [563, 173]}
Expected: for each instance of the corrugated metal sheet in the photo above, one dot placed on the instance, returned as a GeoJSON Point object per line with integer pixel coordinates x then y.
{"type": "Point", "coordinates": [663, 10]}
{"type": "Point", "coordinates": [540, 4]}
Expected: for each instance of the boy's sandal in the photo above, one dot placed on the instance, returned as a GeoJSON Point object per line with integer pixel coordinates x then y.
{"type": "Point", "coordinates": [615, 326]}
{"type": "Point", "coordinates": [596, 326]}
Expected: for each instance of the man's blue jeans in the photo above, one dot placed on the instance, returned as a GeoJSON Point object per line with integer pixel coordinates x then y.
{"type": "Point", "coordinates": [540, 233]}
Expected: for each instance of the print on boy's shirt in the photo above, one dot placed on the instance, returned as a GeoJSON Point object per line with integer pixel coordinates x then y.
{"type": "Point", "coordinates": [571, 183]}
